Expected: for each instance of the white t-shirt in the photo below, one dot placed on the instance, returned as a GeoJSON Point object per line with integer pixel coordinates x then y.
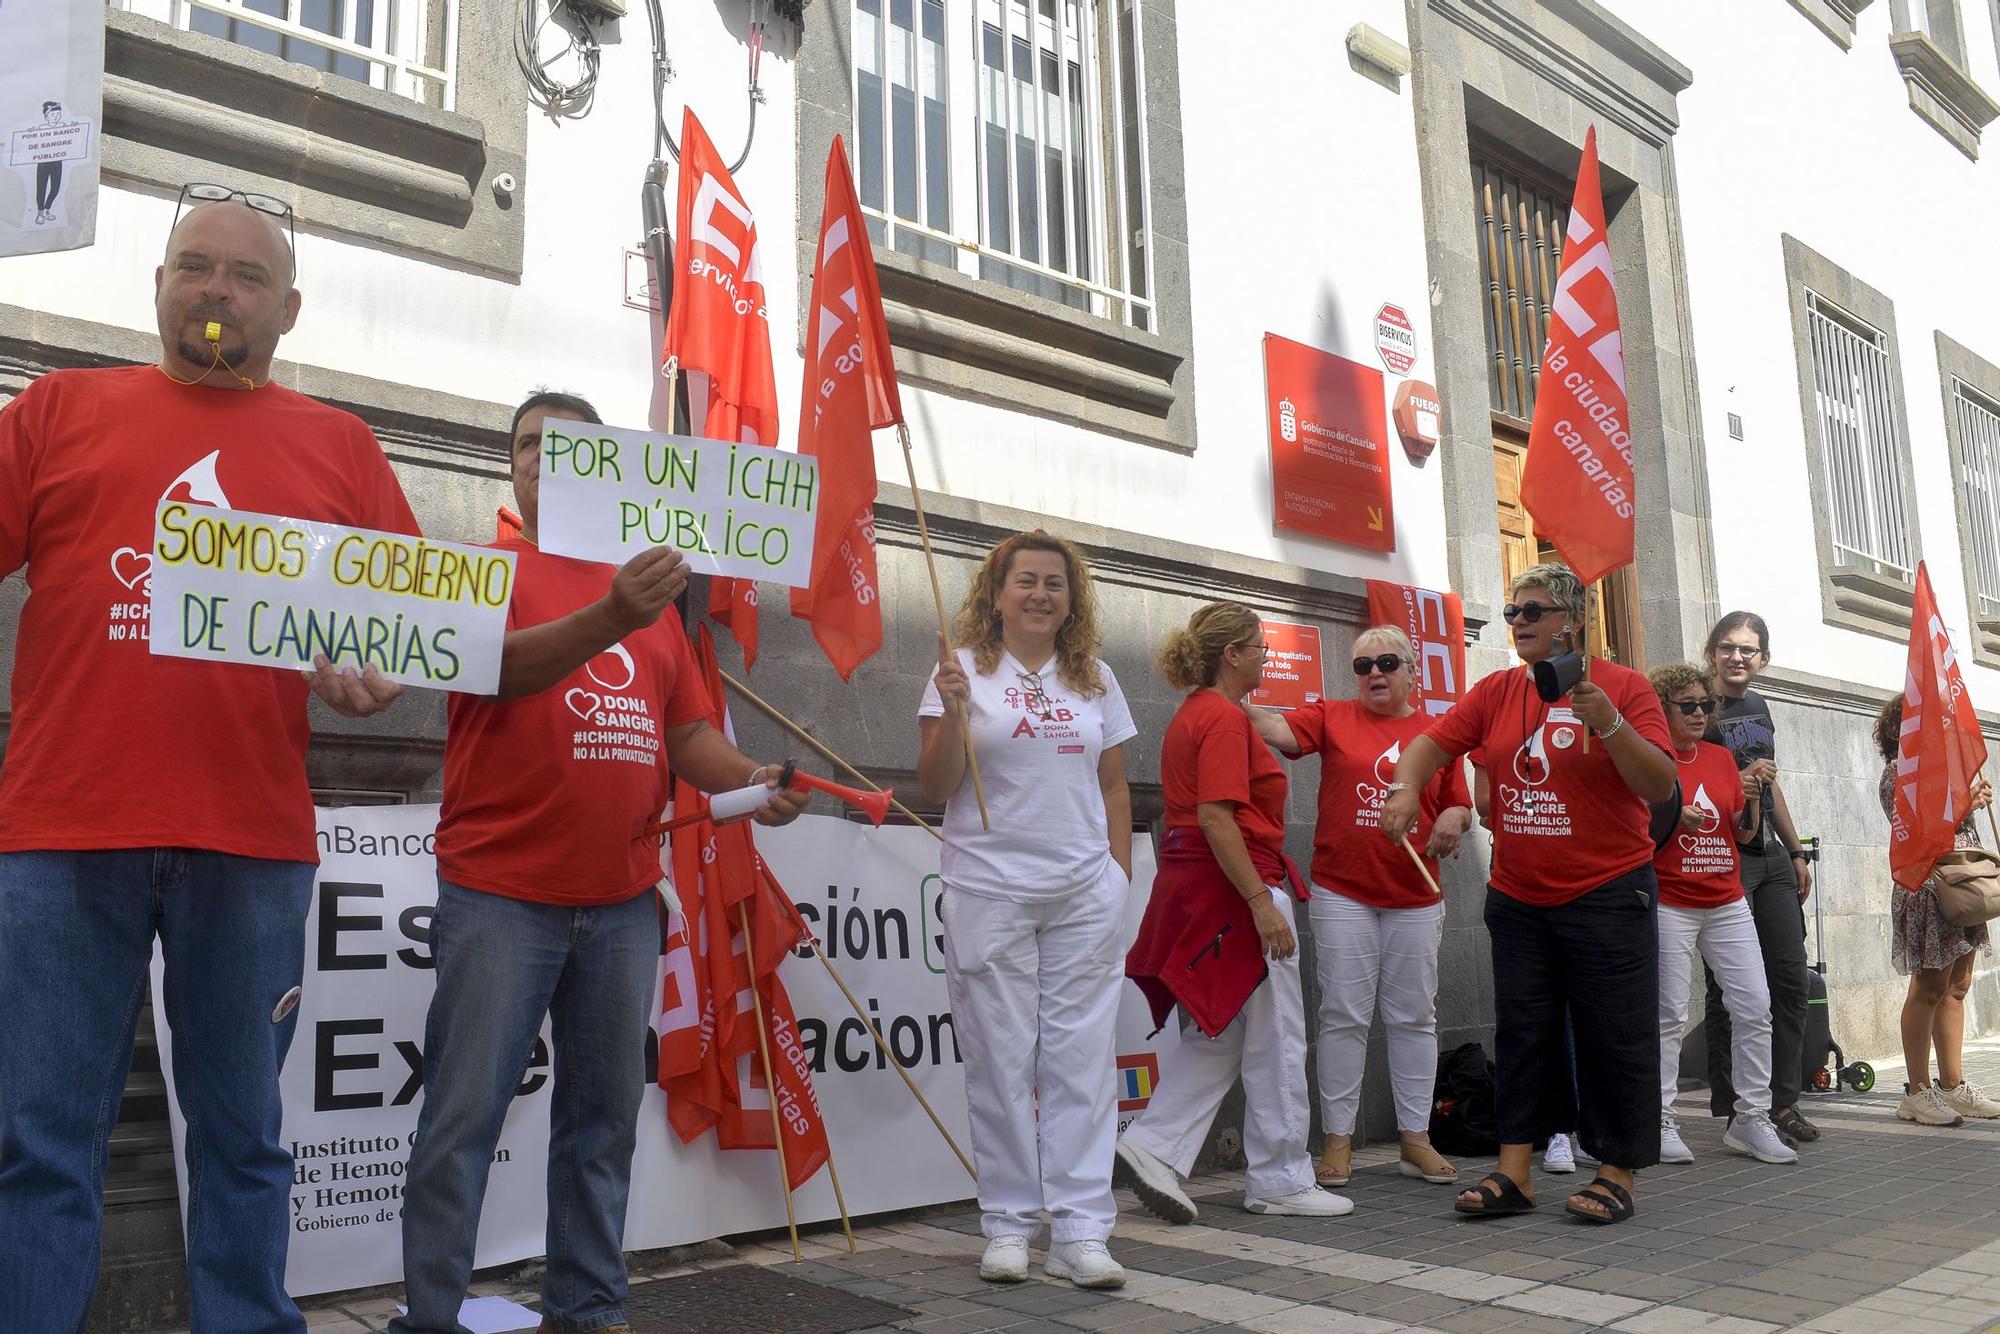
{"type": "Point", "coordinates": [1040, 773]}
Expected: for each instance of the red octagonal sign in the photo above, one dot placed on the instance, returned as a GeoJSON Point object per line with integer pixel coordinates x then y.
{"type": "Point", "coordinates": [1395, 340]}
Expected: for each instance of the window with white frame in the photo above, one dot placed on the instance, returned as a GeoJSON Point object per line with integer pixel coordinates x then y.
{"type": "Point", "coordinates": [406, 47]}
{"type": "Point", "coordinates": [1006, 139]}
{"type": "Point", "coordinates": [1979, 472]}
{"type": "Point", "coordinates": [1853, 387]}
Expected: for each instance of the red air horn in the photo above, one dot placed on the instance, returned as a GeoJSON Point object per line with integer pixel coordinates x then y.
{"type": "Point", "coordinates": [743, 802]}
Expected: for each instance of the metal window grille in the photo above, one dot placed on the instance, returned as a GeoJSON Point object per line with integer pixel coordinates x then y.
{"type": "Point", "coordinates": [1521, 228]}
{"type": "Point", "coordinates": [1979, 467]}
{"type": "Point", "coordinates": [990, 137]}
{"type": "Point", "coordinates": [1862, 441]}
{"type": "Point", "coordinates": [407, 47]}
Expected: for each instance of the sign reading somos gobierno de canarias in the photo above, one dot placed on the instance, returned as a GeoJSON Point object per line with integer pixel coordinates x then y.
{"type": "Point", "coordinates": [232, 586]}
{"type": "Point", "coordinates": [740, 511]}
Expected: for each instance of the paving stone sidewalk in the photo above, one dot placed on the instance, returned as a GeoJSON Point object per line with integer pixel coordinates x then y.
{"type": "Point", "coordinates": [1882, 1226]}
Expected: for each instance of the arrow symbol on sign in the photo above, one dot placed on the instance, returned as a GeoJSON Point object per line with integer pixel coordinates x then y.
{"type": "Point", "coordinates": [1374, 518]}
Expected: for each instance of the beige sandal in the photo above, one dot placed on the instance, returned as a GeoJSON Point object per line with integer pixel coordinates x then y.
{"type": "Point", "coordinates": [1336, 1163]}
{"type": "Point", "coordinates": [1437, 1171]}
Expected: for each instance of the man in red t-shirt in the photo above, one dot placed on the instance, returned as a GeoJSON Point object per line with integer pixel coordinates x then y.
{"type": "Point", "coordinates": [147, 795]}
{"type": "Point", "coordinates": [547, 903]}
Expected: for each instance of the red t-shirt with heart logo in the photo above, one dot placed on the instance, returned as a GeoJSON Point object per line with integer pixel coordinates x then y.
{"type": "Point", "coordinates": [1698, 867]}
{"type": "Point", "coordinates": [112, 747]}
{"type": "Point", "coordinates": [546, 796]}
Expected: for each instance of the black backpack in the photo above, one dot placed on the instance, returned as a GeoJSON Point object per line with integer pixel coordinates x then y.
{"type": "Point", "coordinates": [1462, 1119]}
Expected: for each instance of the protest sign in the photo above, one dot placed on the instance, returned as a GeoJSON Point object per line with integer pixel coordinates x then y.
{"type": "Point", "coordinates": [232, 586]}
{"type": "Point", "coordinates": [736, 510]}
{"type": "Point", "coordinates": [51, 98]}
{"type": "Point", "coordinates": [353, 1084]}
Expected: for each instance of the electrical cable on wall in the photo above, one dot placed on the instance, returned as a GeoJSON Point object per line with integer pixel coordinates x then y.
{"type": "Point", "coordinates": [581, 55]}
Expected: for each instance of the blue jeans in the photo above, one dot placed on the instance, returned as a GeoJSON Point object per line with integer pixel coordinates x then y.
{"type": "Point", "coordinates": [501, 965]}
{"type": "Point", "coordinates": [76, 941]}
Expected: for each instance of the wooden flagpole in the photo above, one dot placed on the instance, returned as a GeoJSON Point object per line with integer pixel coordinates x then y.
{"type": "Point", "coordinates": [770, 1080]}
{"type": "Point", "coordinates": [1586, 653]}
{"type": "Point", "coordinates": [846, 1223]}
{"type": "Point", "coordinates": [944, 627]}
{"type": "Point", "coordinates": [771, 711]}
{"type": "Point", "coordinates": [1422, 869]}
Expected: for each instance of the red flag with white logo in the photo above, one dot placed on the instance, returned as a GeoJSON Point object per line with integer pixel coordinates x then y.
{"type": "Point", "coordinates": [1435, 623]}
{"type": "Point", "coordinates": [719, 335]}
{"type": "Point", "coordinates": [1941, 749]}
{"type": "Point", "coordinates": [1577, 484]}
{"type": "Point", "coordinates": [849, 392]}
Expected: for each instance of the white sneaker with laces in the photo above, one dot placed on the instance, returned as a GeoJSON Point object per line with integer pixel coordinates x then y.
{"type": "Point", "coordinates": [1087, 1263]}
{"type": "Point", "coordinates": [1927, 1107]}
{"type": "Point", "coordinates": [1969, 1099]}
{"type": "Point", "coordinates": [1753, 1133]}
{"type": "Point", "coordinates": [1673, 1149]}
{"type": "Point", "coordinates": [1157, 1185]}
{"type": "Point", "coordinates": [1312, 1202]}
{"type": "Point", "coordinates": [1006, 1260]}
{"type": "Point", "coordinates": [1557, 1157]}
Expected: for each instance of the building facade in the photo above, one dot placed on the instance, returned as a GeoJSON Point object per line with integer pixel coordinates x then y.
{"type": "Point", "coordinates": [1088, 215]}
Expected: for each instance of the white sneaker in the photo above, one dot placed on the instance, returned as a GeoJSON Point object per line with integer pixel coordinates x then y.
{"type": "Point", "coordinates": [1006, 1260]}
{"type": "Point", "coordinates": [1558, 1157]}
{"type": "Point", "coordinates": [1312, 1202]}
{"type": "Point", "coordinates": [1927, 1107]}
{"type": "Point", "coordinates": [1088, 1264]}
{"type": "Point", "coordinates": [1583, 1156]}
{"type": "Point", "coordinates": [1674, 1149]}
{"type": "Point", "coordinates": [1753, 1133]}
{"type": "Point", "coordinates": [1970, 1100]}
{"type": "Point", "coordinates": [1157, 1185]}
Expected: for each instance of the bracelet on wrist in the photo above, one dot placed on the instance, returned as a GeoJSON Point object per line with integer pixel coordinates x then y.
{"type": "Point", "coordinates": [1617, 725]}
{"type": "Point", "coordinates": [1402, 787]}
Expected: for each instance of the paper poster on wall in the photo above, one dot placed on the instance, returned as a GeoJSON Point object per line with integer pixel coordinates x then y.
{"type": "Point", "coordinates": [1329, 427]}
{"type": "Point", "coordinates": [51, 105]}
{"type": "Point", "coordinates": [1294, 671]}
{"type": "Point", "coordinates": [353, 1084]}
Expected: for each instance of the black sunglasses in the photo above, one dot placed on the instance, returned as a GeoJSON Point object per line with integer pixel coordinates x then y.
{"type": "Point", "coordinates": [1690, 707]}
{"type": "Point", "coordinates": [1527, 612]}
{"type": "Point", "coordinates": [1385, 663]}
{"type": "Point", "coordinates": [202, 192]}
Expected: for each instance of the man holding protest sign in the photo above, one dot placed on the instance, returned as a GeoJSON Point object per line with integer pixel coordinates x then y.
{"type": "Point", "coordinates": [546, 902]}
{"type": "Point", "coordinates": [209, 843]}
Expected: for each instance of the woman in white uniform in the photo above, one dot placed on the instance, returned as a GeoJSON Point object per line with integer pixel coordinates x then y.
{"type": "Point", "coordinates": [1035, 904]}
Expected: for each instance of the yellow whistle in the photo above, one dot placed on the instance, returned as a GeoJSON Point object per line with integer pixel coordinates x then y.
{"type": "Point", "coordinates": [212, 331]}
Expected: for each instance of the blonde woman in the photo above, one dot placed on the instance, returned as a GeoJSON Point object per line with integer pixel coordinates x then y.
{"type": "Point", "coordinates": [1219, 939]}
{"type": "Point", "coordinates": [1035, 904]}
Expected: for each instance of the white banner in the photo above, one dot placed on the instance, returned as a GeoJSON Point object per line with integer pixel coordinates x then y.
{"type": "Point", "coordinates": [743, 511]}
{"type": "Point", "coordinates": [51, 102]}
{"type": "Point", "coordinates": [230, 586]}
{"type": "Point", "coordinates": [353, 1083]}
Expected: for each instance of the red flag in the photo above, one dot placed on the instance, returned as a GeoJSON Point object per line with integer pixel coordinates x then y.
{"type": "Point", "coordinates": [1577, 484]}
{"type": "Point", "coordinates": [1941, 750]}
{"type": "Point", "coordinates": [849, 392]}
{"type": "Point", "coordinates": [1435, 623]}
{"type": "Point", "coordinates": [719, 335]}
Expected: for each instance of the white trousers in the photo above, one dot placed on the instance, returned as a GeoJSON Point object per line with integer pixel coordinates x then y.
{"type": "Point", "coordinates": [1727, 938]}
{"type": "Point", "coordinates": [1369, 958]}
{"type": "Point", "coordinates": [1034, 1000]}
{"type": "Point", "coordinates": [1266, 1045]}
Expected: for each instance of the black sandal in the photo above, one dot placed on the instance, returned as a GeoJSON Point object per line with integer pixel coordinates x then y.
{"type": "Point", "coordinates": [1495, 1203]}
{"type": "Point", "coordinates": [1789, 1122]}
{"type": "Point", "coordinates": [1617, 1202]}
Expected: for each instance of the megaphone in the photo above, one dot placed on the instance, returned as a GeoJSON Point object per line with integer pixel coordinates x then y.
{"type": "Point", "coordinates": [1557, 676]}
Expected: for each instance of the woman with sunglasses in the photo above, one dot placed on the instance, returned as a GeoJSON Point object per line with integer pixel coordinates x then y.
{"type": "Point", "coordinates": [1776, 877]}
{"type": "Point", "coordinates": [1570, 909]}
{"type": "Point", "coordinates": [1376, 924]}
{"type": "Point", "coordinates": [1702, 912]}
{"type": "Point", "coordinates": [1218, 939]}
{"type": "Point", "coordinates": [1035, 905]}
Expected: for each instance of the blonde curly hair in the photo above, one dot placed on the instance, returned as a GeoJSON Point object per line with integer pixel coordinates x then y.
{"type": "Point", "coordinates": [1078, 640]}
{"type": "Point", "coordinates": [1675, 677]}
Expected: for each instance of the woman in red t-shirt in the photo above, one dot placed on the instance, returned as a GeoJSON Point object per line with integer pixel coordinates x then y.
{"type": "Point", "coordinates": [1218, 938]}
{"type": "Point", "coordinates": [1569, 912]}
{"type": "Point", "coordinates": [1376, 921]}
{"type": "Point", "coordinates": [1702, 911]}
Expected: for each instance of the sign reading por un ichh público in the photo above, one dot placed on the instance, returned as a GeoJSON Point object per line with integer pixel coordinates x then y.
{"type": "Point", "coordinates": [230, 586]}
{"type": "Point", "coordinates": [739, 511]}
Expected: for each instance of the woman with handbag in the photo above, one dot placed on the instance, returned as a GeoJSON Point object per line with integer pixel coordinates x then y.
{"type": "Point", "coordinates": [1938, 958]}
